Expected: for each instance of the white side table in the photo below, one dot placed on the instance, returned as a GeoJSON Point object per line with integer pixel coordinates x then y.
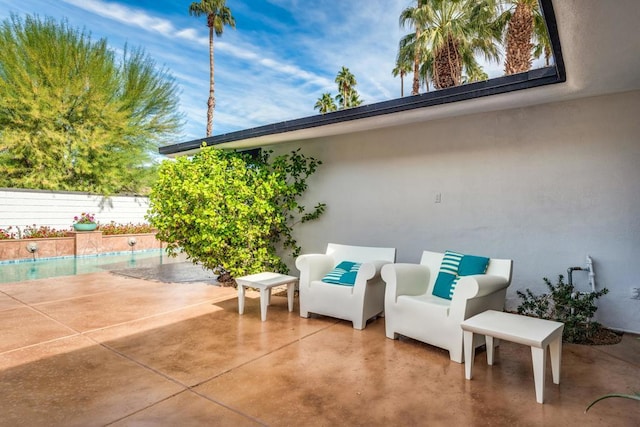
{"type": "Point", "coordinates": [536, 333]}
{"type": "Point", "coordinates": [264, 282]}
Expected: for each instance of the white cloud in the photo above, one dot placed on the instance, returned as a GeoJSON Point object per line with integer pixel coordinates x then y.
{"type": "Point", "coordinates": [125, 15]}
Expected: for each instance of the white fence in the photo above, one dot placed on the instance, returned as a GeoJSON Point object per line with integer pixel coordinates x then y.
{"type": "Point", "coordinates": [56, 209]}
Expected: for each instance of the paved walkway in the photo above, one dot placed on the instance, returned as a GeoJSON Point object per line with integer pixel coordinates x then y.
{"type": "Point", "coordinates": [103, 349]}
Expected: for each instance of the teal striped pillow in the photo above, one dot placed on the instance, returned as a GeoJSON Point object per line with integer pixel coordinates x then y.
{"type": "Point", "coordinates": [343, 274]}
{"type": "Point", "coordinates": [455, 265]}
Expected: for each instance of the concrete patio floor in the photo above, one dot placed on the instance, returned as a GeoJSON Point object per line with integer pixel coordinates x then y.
{"type": "Point", "coordinates": [103, 349]}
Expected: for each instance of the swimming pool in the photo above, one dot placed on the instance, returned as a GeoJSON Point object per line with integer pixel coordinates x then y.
{"type": "Point", "coordinates": [70, 266]}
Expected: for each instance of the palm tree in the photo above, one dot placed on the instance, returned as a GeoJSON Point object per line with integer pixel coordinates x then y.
{"type": "Point", "coordinates": [415, 16]}
{"type": "Point", "coordinates": [448, 35]}
{"type": "Point", "coordinates": [474, 74]}
{"type": "Point", "coordinates": [525, 34]}
{"type": "Point", "coordinates": [425, 70]}
{"type": "Point", "coordinates": [406, 50]}
{"type": "Point", "coordinates": [346, 83]}
{"type": "Point", "coordinates": [218, 15]}
{"type": "Point", "coordinates": [325, 104]}
{"type": "Point", "coordinates": [404, 65]}
{"type": "Point", "coordinates": [350, 100]}
{"type": "Point", "coordinates": [456, 31]}
{"type": "Point", "coordinates": [354, 99]}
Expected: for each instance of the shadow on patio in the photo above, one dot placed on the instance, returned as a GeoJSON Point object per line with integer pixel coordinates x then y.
{"type": "Point", "coordinates": [102, 349]}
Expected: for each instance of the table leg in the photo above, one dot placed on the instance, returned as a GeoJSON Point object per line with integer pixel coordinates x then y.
{"type": "Point", "coordinates": [555, 348]}
{"type": "Point", "coordinates": [489, 344]}
{"type": "Point", "coordinates": [539, 359]}
{"type": "Point", "coordinates": [468, 354]}
{"type": "Point", "coordinates": [264, 302]}
{"type": "Point", "coordinates": [240, 299]}
{"type": "Point", "coordinates": [291, 287]}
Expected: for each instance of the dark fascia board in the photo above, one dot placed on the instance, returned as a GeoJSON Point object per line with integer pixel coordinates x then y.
{"type": "Point", "coordinates": [533, 78]}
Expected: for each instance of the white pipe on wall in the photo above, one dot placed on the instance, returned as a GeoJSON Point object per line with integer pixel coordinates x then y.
{"type": "Point", "coordinates": [592, 274]}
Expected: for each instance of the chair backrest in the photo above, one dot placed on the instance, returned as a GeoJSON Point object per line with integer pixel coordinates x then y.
{"type": "Point", "coordinates": [496, 267]}
{"type": "Point", "coordinates": [500, 267]}
{"type": "Point", "coordinates": [360, 253]}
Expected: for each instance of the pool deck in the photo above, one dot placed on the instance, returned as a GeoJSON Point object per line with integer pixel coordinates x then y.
{"type": "Point", "coordinates": [106, 349]}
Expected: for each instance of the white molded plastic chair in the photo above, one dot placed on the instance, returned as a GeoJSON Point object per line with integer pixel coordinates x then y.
{"type": "Point", "coordinates": [357, 303]}
{"type": "Point", "coordinates": [411, 309]}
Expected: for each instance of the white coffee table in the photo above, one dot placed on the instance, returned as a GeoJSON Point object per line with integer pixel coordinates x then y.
{"type": "Point", "coordinates": [536, 333]}
{"type": "Point", "coordinates": [264, 282]}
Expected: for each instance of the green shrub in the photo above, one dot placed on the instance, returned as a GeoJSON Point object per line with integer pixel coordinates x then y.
{"type": "Point", "coordinates": [564, 304]}
{"type": "Point", "coordinates": [230, 212]}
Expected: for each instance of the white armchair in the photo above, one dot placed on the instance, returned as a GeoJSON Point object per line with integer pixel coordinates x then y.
{"type": "Point", "coordinates": [357, 303]}
{"type": "Point", "coordinates": [413, 311]}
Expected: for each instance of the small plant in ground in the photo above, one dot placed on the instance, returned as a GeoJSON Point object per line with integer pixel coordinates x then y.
{"type": "Point", "coordinates": [84, 218]}
{"type": "Point", "coordinates": [115, 229]}
{"type": "Point", "coordinates": [564, 304]}
{"type": "Point", "coordinates": [41, 232]}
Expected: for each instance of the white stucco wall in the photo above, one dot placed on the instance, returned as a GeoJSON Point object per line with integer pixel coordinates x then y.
{"type": "Point", "coordinates": [57, 209]}
{"type": "Point", "coordinates": [544, 186]}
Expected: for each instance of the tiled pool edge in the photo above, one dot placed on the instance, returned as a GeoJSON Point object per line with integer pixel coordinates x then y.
{"type": "Point", "coordinates": [26, 260]}
{"type": "Point", "coordinates": [76, 244]}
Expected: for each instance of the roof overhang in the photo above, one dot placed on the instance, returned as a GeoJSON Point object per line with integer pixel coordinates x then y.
{"type": "Point", "coordinates": [382, 114]}
{"type": "Point", "coordinates": [586, 26]}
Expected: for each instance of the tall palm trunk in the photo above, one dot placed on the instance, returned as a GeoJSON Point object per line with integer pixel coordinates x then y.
{"type": "Point", "coordinates": [519, 35]}
{"type": "Point", "coordinates": [447, 67]}
{"type": "Point", "coordinates": [415, 90]}
{"type": "Point", "coordinates": [211, 102]}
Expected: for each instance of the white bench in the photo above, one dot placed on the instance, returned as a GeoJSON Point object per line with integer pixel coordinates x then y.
{"type": "Point", "coordinates": [264, 282]}
{"type": "Point", "coordinates": [536, 333]}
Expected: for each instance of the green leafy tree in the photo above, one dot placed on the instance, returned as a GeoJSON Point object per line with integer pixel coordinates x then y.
{"type": "Point", "coordinates": [230, 212]}
{"type": "Point", "coordinates": [325, 104]}
{"type": "Point", "coordinates": [218, 15]}
{"type": "Point", "coordinates": [73, 116]}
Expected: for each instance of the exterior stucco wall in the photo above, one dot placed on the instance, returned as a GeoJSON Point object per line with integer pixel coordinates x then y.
{"type": "Point", "coordinates": [544, 186]}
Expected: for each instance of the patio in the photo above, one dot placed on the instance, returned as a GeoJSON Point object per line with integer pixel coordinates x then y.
{"type": "Point", "coordinates": [103, 349]}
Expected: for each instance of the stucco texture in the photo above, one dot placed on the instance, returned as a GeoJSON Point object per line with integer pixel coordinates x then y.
{"type": "Point", "coordinates": [543, 185]}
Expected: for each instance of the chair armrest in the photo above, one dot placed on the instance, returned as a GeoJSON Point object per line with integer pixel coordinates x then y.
{"type": "Point", "coordinates": [313, 267]}
{"type": "Point", "coordinates": [479, 285]}
{"type": "Point", "coordinates": [406, 279]}
{"type": "Point", "coordinates": [371, 269]}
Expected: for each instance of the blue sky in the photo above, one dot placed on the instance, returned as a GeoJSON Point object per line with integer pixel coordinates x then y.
{"type": "Point", "coordinates": [273, 67]}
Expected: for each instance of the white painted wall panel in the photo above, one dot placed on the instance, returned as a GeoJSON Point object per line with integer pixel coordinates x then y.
{"type": "Point", "coordinates": [57, 209]}
{"type": "Point", "coordinates": [544, 186]}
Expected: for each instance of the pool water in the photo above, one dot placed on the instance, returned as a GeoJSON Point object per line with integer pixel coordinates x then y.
{"type": "Point", "coordinates": [54, 267]}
